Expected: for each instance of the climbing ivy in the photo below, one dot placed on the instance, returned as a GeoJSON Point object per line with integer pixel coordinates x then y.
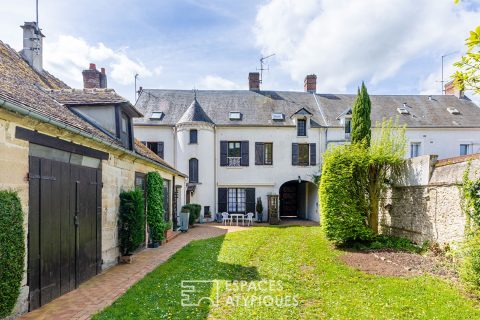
{"type": "Point", "coordinates": [470, 248]}
{"type": "Point", "coordinates": [12, 250]}
{"type": "Point", "coordinates": [155, 210]}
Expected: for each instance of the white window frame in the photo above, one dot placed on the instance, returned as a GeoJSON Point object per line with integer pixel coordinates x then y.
{"type": "Point", "coordinates": [418, 149]}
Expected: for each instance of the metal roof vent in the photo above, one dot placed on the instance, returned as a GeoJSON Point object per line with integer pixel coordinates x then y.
{"type": "Point", "coordinates": [453, 110]}
{"type": "Point", "coordinates": [278, 116]}
{"type": "Point", "coordinates": [156, 115]}
{"type": "Point", "coordinates": [403, 110]}
{"type": "Point", "coordinates": [430, 98]}
{"type": "Point", "coordinates": [235, 115]}
{"type": "Point", "coordinates": [405, 105]}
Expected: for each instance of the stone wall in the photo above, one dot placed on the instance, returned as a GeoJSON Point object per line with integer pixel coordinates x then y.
{"type": "Point", "coordinates": [118, 173]}
{"type": "Point", "coordinates": [424, 203]}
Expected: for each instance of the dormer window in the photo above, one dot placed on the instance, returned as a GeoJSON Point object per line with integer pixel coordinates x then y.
{"type": "Point", "coordinates": [156, 115]}
{"type": "Point", "coordinates": [278, 117]}
{"type": "Point", "coordinates": [235, 115]}
{"type": "Point", "coordinates": [453, 110]}
{"type": "Point", "coordinates": [301, 127]}
{"type": "Point", "coordinates": [403, 111]}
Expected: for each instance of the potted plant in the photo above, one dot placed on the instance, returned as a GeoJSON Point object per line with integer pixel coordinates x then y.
{"type": "Point", "coordinates": [259, 209]}
{"type": "Point", "coordinates": [168, 230]}
{"type": "Point", "coordinates": [131, 223]}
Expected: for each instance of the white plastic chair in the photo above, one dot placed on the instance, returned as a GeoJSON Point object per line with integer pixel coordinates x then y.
{"type": "Point", "coordinates": [226, 217]}
{"type": "Point", "coordinates": [249, 218]}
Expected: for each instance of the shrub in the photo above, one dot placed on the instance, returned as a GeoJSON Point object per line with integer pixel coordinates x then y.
{"type": "Point", "coordinates": [12, 250]}
{"type": "Point", "coordinates": [470, 266]}
{"type": "Point", "coordinates": [259, 206]}
{"type": "Point", "coordinates": [194, 210]}
{"type": "Point", "coordinates": [132, 221]}
{"type": "Point", "coordinates": [342, 194]}
{"type": "Point", "coordinates": [155, 210]}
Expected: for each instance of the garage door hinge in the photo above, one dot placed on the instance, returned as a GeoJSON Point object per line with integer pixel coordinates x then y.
{"type": "Point", "coordinates": [36, 176]}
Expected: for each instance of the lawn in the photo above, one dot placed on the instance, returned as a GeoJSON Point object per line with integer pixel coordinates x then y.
{"type": "Point", "coordinates": [298, 265]}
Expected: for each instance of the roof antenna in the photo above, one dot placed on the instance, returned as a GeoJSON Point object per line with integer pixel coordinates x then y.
{"type": "Point", "coordinates": [442, 82]}
{"type": "Point", "coordinates": [262, 63]}
{"type": "Point", "coordinates": [194, 93]}
{"type": "Point", "coordinates": [36, 7]}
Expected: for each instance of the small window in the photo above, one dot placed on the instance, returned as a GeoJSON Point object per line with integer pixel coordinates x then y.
{"type": "Point", "coordinates": [156, 115]}
{"type": "Point", "coordinates": [156, 147]}
{"type": "Point", "coordinates": [234, 115]}
{"type": "Point", "coordinates": [403, 111]}
{"type": "Point", "coordinates": [303, 154]}
{"type": "Point", "coordinates": [301, 127]}
{"type": "Point", "coordinates": [414, 149]}
{"type": "Point", "coordinates": [453, 110]}
{"type": "Point", "coordinates": [464, 149]}
{"type": "Point", "coordinates": [193, 136]}
{"type": "Point", "coordinates": [348, 128]}
{"type": "Point", "coordinates": [193, 170]}
{"type": "Point", "coordinates": [234, 153]}
{"type": "Point", "coordinates": [278, 116]}
{"type": "Point", "coordinates": [124, 123]}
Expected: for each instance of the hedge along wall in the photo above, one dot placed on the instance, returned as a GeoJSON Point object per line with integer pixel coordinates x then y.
{"type": "Point", "coordinates": [12, 250]}
{"type": "Point", "coordinates": [155, 210]}
{"type": "Point", "coordinates": [132, 221]}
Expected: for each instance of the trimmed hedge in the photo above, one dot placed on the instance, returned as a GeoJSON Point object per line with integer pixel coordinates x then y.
{"type": "Point", "coordinates": [194, 210]}
{"type": "Point", "coordinates": [342, 194]}
{"type": "Point", "coordinates": [155, 210]}
{"type": "Point", "coordinates": [12, 250]}
{"type": "Point", "coordinates": [132, 221]}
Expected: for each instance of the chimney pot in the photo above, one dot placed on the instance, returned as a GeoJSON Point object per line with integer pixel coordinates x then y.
{"type": "Point", "coordinates": [94, 79]}
{"type": "Point", "coordinates": [310, 83]}
{"type": "Point", "coordinates": [254, 81]}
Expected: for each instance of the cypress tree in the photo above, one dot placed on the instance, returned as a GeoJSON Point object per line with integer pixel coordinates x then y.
{"type": "Point", "coordinates": [361, 123]}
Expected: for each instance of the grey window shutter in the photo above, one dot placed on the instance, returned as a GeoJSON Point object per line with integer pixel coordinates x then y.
{"type": "Point", "coordinates": [222, 199]}
{"type": "Point", "coordinates": [294, 154]}
{"type": "Point", "coordinates": [259, 153]}
{"type": "Point", "coordinates": [160, 149]}
{"type": "Point", "coordinates": [313, 154]}
{"type": "Point", "coordinates": [250, 200]}
{"type": "Point", "coordinates": [223, 153]}
{"type": "Point", "coordinates": [244, 162]}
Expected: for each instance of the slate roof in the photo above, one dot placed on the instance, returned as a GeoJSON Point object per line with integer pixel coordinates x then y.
{"type": "Point", "coordinates": [195, 113]}
{"type": "Point", "coordinates": [257, 107]}
{"type": "Point", "coordinates": [46, 95]}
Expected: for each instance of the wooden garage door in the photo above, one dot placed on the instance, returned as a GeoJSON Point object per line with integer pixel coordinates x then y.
{"type": "Point", "coordinates": [64, 242]}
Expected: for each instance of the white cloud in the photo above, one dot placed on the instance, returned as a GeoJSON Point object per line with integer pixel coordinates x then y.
{"type": "Point", "coordinates": [68, 56]}
{"type": "Point", "coordinates": [346, 41]}
{"type": "Point", "coordinates": [213, 82]}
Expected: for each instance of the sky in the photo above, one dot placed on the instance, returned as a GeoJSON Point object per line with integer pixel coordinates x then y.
{"type": "Point", "coordinates": [395, 46]}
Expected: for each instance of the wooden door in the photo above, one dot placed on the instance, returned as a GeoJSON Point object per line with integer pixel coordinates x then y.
{"type": "Point", "coordinates": [288, 200]}
{"type": "Point", "coordinates": [64, 228]}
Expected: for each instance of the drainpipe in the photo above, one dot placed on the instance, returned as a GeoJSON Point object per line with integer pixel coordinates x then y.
{"type": "Point", "coordinates": [29, 113]}
{"type": "Point", "coordinates": [215, 169]}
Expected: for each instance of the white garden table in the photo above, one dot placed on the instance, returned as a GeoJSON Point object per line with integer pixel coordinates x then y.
{"type": "Point", "coordinates": [238, 216]}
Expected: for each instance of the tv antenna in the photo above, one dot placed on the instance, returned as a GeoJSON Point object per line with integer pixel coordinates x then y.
{"type": "Point", "coordinates": [262, 65]}
{"type": "Point", "coordinates": [136, 77]}
{"type": "Point", "coordinates": [442, 82]}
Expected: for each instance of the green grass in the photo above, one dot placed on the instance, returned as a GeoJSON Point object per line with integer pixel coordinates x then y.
{"type": "Point", "coordinates": [308, 268]}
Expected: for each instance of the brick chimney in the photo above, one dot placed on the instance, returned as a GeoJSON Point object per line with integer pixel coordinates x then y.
{"type": "Point", "coordinates": [92, 78]}
{"type": "Point", "coordinates": [310, 83]}
{"type": "Point", "coordinates": [32, 50]}
{"type": "Point", "coordinates": [450, 89]}
{"type": "Point", "coordinates": [254, 81]}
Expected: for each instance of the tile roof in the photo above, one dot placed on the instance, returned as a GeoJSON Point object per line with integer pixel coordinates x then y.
{"type": "Point", "coordinates": [46, 95]}
{"type": "Point", "coordinates": [257, 107]}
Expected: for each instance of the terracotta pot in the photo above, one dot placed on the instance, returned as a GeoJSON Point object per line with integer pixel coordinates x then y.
{"type": "Point", "coordinates": [126, 259]}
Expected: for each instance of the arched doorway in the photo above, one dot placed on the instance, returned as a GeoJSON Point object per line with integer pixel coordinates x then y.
{"type": "Point", "coordinates": [298, 200]}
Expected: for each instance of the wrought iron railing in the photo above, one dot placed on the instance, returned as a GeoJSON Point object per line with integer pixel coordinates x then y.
{"type": "Point", "coordinates": [234, 161]}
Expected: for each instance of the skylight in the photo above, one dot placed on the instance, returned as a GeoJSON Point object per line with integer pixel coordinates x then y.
{"type": "Point", "coordinates": [453, 110]}
{"type": "Point", "coordinates": [278, 116]}
{"type": "Point", "coordinates": [403, 111]}
{"type": "Point", "coordinates": [235, 115]}
{"type": "Point", "coordinates": [156, 115]}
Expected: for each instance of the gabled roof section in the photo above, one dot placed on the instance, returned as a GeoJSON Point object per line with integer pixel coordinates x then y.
{"type": "Point", "coordinates": [302, 111]}
{"type": "Point", "coordinates": [195, 113]}
{"type": "Point", "coordinates": [347, 112]}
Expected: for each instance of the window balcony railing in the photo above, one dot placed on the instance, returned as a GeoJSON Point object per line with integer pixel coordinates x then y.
{"type": "Point", "coordinates": [234, 161]}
